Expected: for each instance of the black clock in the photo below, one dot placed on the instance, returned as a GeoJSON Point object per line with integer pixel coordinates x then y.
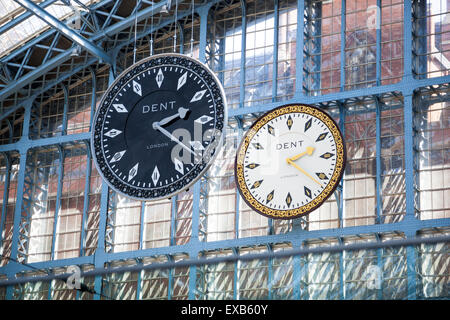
{"type": "Point", "coordinates": [158, 127]}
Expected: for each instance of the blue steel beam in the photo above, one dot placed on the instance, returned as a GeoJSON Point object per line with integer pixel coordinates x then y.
{"type": "Point", "coordinates": [47, 87]}
{"type": "Point", "coordinates": [45, 35]}
{"type": "Point", "coordinates": [404, 85]}
{"type": "Point", "coordinates": [31, 76]}
{"type": "Point", "coordinates": [373, 245]}
{"type": "Point", "coordinates": [65, 30]}
{"type": "Point", "coordinates": [28, 78]}
{"type": "Point", "coordinates": [24, 16]}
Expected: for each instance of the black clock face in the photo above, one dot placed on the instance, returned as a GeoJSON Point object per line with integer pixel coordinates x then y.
{"type": "Point", "coordinates": [158, 127]}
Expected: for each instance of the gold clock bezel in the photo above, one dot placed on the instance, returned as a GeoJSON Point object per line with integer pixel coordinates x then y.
{"type": "Point", "coordinates": [326, 192]}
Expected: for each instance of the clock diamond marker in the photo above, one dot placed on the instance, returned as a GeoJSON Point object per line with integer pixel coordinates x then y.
{"type": "Point", "coordinates": [117, 156]}
{"type": "Point", "coordinates": [120, 108]}
{"type": "Point", "coordinates": [133, 172]}
{"type": "Point", "coordinates": [271, 130]}
{"type": "Point", "coordinates": [289, 122]}
{"type": "Point", "coordinates": [182, 81]}
{"type": "Point", "coordinates": [155, 175]}
{"type": "Point", "coordinates": [322, 136]}
{"type": "Point", "coordinates": [137, 88]}
{"type": "Point", "coordinates": [270, 196]}
{"type": "Point", "coordinates": [178, 165]}
{"type": "Point", "coordinates": [197, 145]}
{"type": "Point", "coordinates": [159, 78]}
{"type": "Point", "coordinates": [258, 146]}
{"type": "Point", "coordinates": [113, 133]}
{"type": "Point", "coordinates": [327, 155]}
{"type": "Point", "coordinates": [308, 124]}
{"type": "Point", "coordinates": [203, 119]}
{"type": "Point", "coordinates": [252, 165]}
{"type": "Point", "coordinates": [321, 175]}
{"type": "Point", "coordinates": [257, 184]}
{"type": "Point", "coordinates": [308, 192]}
{"type": "Point", "coordinates": [198, 95]}
{"type": "Point", "coordinates": [288, 199]}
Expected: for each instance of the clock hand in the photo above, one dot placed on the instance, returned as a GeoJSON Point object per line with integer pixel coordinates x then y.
{"type": "Point", "coordinates": [156, 126]}
{"type": "Point", "coordinates": [182, 112]}
{"type": "Point", "coordinates": [309, 151]}
{"type": "Point", "coordinates": [289, 161]}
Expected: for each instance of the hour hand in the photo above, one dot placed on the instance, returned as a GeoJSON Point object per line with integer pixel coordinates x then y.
{"type": "Point", "coordinates": [309, 151]}
{"type": "Point", "coordinates": [156, 126]}
{"type": "Point", "coordinates": [182, 113]}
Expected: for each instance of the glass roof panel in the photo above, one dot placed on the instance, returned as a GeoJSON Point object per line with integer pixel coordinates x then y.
{"type": "Point", "coordinates": [28, 29]}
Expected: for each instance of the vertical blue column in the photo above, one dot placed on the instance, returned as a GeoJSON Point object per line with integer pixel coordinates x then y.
{"type": "Point", "coordinates": [409, 156]}
{"type": "Point", "coordinates": [65, 110]}
{"type": "Point", "coordinates": [378, 43]}
{"type": "Point", "coordinates": [276, 21]}
{"type": "Point", "coordinates": [409, 182]}
{"type": "Point", "coordinates": [409, 150]}
{"type": "Point", "coordinates": [100, 253]}
{"type": "Point", "coordinates": [420, 40]}
{"type": "Point", "coordinates": [378, 162]}
{"type": "Point", "coordinates": [407, 45]}
{"type": "Point", "coordinates": [170, 282]}
{"type": "Point", "coordinates": [341, 271]}
{"type": "Point", "coordinates": [19, 196]}
{"type": "Point", "coordinates": [87, 190]}
{"type": "Point", "coordinates": [299, 49]}
{"type": "Point", "coordinates": [87, 182]}
{"type": "Point", "coordinates": [5, 195]}
{"type": "Point", "coordinates": [380, 267]}
{"type": "Point", "coordinates": [343, 27]}
{"type": "Point", "coordinates": [341, 212]}
{"type": "Point", "coordinates": [316, 84]}
{"type": "Point", "coordinates": [142, 226]}
{"type": "Point", "coordinates": [60, 171]}
{"type": "Point", "coordinates": [296, 277]}
{"type": "Point", "coordinates": [203, 13]}
{"type": "Point", "coordinates": [236, 294]}
{"type": "Point", "coordinates": [303, 273]}
{"type": "Point", "coordinates": [269, 273]}
{"type": "Point", "coordinates": [173, 221]}
{"type": "Point", "coordinates": [411, 270]}
{"type": "Point", "coordinates": [238, 198]}
{"type": "Point", "coordinates": [243, 54]}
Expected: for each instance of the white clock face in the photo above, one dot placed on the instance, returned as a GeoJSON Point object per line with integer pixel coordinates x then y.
{"type": "Point", "coordinates": [290, 161]}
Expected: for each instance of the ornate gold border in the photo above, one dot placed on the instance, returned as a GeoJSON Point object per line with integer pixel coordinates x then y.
{"type": "Point", "coordinates": [333, 182]}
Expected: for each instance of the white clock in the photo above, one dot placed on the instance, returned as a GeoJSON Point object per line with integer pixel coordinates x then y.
{"type": "Point", "coordinates": [290, 161]}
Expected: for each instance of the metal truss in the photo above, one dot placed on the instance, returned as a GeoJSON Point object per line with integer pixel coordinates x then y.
{"type": "Point", "coordinates": [100, 26]}
{"type": "Point", "coordinates": [111, 33]}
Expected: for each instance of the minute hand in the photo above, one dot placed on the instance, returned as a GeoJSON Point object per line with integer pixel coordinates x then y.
{"type": "Point", "coordinates": [303, 171]}
{"type": "Point", "coordinates": [156, 126]}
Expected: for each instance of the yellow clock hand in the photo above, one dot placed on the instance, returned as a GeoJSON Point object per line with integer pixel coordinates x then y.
{"type": "Point", "coordinates": [309, 151]}
{"type": "Point", "coordinates": [303, 171]}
